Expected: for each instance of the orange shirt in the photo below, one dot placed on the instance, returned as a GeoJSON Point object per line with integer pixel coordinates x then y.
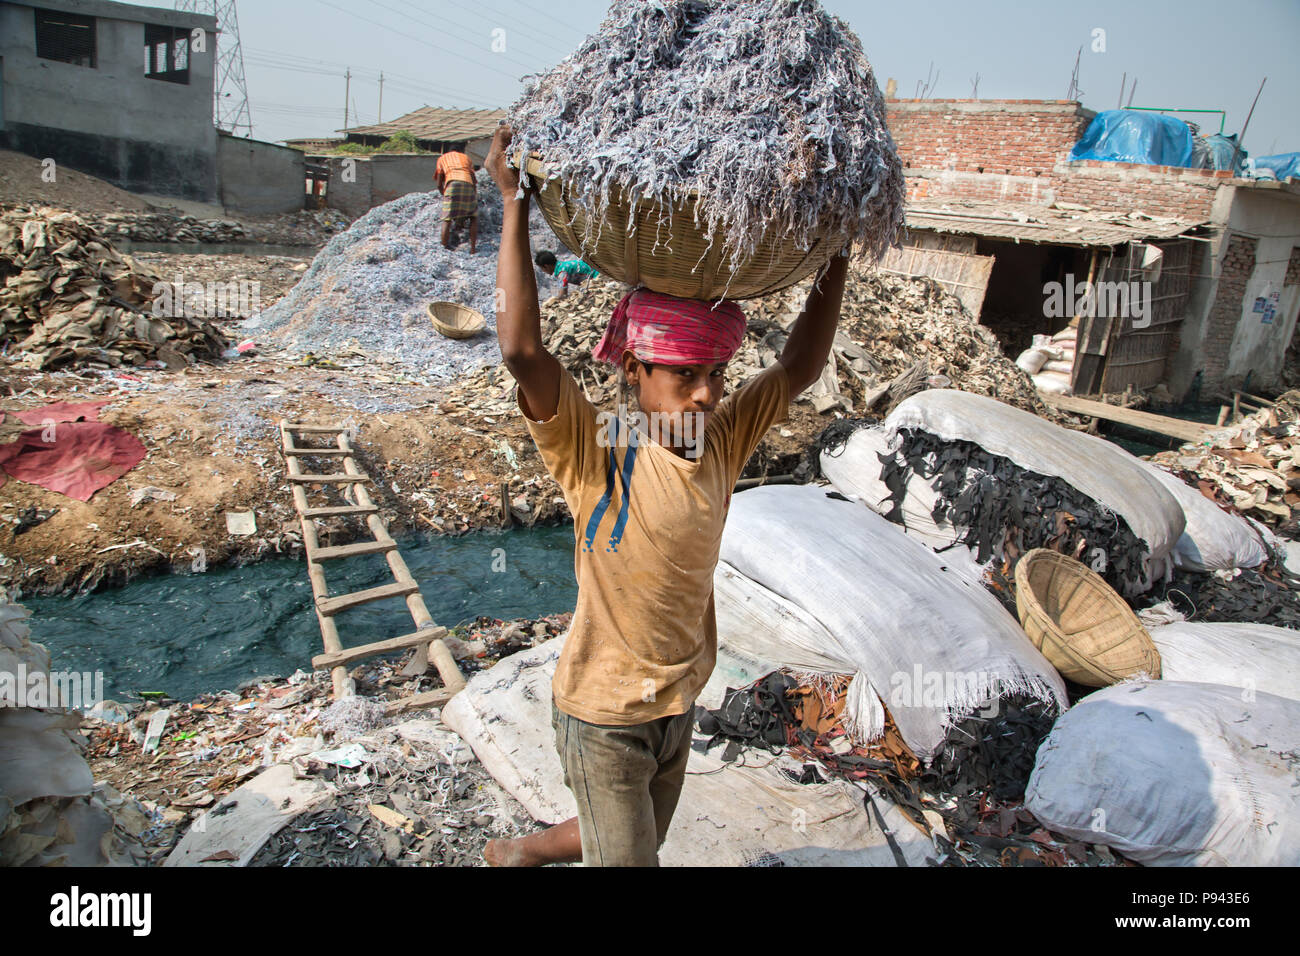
{"type": "Point", "coordinates": [456, 167]}
{"type": "Point", "coordinates": [644, 636]}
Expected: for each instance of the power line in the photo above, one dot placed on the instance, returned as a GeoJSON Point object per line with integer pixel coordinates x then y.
{"type": "Point", "coordinates": [447, 27]}
{"type": "Point", "coordinates": [414, 84]}
{"type": "Point", "coordinates": [533, 14]}
{"type": "Point", "coordinates": [229, 89]}
{"type": "Point", "coordinates": [408, 36]}
{"type": "Point", "coordinates": [533, 31]}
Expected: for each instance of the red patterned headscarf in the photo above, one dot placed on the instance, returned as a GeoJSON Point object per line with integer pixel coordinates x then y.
{"type": "Point", "coordinates": [663, 329]}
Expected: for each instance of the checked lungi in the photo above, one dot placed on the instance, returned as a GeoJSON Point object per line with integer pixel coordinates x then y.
{"type": "Point", "coordinates": [459, 202]}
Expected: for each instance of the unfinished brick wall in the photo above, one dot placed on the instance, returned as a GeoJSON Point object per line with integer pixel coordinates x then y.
{"type": "Point", "coordinates": [1018, 151]}
{"type": "Point", "coordinates": [994, 137]}
{"type": "Point", "coordinates": [999, 150]}
{"type": "Point", "coordinates": [1238, 264]}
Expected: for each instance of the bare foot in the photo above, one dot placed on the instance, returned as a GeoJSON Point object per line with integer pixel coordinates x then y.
{"type": "Point", "coordinates": [558, 844]}
{"type": "Point", "coordinates": [507, 853]}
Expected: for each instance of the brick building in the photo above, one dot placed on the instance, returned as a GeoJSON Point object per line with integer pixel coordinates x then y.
{"type": "Point", "coordinates": [996, 212]}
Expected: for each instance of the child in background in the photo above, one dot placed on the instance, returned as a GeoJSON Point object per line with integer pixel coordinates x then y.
{"type": "Point", "coordinates": [569, 270]}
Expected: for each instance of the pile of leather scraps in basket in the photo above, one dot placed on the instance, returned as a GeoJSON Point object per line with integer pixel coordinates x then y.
{"type": "Point", "coordinates": [1003, 510]}
{"type": "Point", "coordinates": [1254, 468]}
{"type": "Point", "coordinates": [68, 297]}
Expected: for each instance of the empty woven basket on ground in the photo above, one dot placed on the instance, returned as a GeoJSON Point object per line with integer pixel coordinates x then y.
{"type": "Point", "coordinates": [1080, 622]}
{"type": "Point", "coordinates": [670, 253]}
{"type": "Point", "coordinates": [456, 321]}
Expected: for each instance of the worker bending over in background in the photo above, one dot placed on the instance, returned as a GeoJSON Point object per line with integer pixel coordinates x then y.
{"type": "Point", "coordinates": [455, 179]}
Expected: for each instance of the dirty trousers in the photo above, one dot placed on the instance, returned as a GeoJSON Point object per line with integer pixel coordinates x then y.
{"type": "Point", "coordinates": [626, 781]}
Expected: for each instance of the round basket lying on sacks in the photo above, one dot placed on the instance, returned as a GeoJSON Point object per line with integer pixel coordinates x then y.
{"type": "Point", "coordinates": [1079, 622]}
{"type": "Point", "coordinates": [456, 321]}
{"type": "Point", "coordinates": [667, 250]}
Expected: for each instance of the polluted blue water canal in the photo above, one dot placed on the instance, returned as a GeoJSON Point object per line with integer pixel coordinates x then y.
{"type": "Point", "coordinates": [186, 634]}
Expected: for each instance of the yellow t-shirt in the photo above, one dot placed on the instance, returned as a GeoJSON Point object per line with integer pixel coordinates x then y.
{"type": "Point", "coordinates": [644, 639]}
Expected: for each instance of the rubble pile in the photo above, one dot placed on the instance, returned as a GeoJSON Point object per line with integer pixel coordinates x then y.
{"type": "Point", "coordinates": [915, 332]}
{"type": "Point", "coordinates": [307, 227]}
{"type": "Point", "coordinates": [69, 297]}
{"type": "Point", "coordinates": [303, 228]}
{"type": "Point", "coordinates": [1254, 466]}
{"type": "Point", "coordinates": [166, 227]}
{"type": "Point", "coordinates": [368, 289]}
{"type": "Point", "coordinates": [897, 336]}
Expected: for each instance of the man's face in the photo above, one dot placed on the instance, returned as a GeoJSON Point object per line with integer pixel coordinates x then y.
{"type": "Point", "coordinates": [677, 390]}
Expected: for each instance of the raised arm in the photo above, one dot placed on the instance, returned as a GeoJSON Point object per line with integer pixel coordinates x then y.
{"type": "Point", "coordinates": [804, 355]}
{"type": "Point", "coordinates": [519, 319]}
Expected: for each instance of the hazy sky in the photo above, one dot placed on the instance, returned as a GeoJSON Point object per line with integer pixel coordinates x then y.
{"type": "Point", "coordinates": [1202, 54]}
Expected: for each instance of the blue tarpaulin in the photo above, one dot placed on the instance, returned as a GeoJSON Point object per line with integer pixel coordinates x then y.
{"type": "Point", "coordinates": [1222, 149]}
{"type": "Point", "coordinates": [1281, 165]}
{"type": "Point", "coordinates": [1130, 136]}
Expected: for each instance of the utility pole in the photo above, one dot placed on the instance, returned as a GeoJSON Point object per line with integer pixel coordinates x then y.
{"type": "Point", "coordinates": [347, 92]}
{"type": "Point", "coordinates": [1119, 104]}
{"type": "Point", "coordinates": [381, 97]}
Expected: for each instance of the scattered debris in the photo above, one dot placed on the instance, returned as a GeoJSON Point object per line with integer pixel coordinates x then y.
{"type": "Point", "coordinates": [241, 523]}
{"type": "Point", "coordinates": [149, 493]}
{"type": "Point", "coordinates": [1254, 466]}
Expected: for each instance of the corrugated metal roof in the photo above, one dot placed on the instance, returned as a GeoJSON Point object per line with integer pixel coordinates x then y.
{"type": "Point", "coordinates": [1042, 224]}
{"type": "Point", "coordinates": [432, 123]}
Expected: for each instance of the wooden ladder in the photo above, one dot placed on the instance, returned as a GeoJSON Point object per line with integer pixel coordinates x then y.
{"type": "Point", "coordinates": [427, 638]}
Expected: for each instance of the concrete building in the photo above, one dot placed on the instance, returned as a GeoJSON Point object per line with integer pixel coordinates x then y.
{"type": "Point", "coordinates": [997, 213]}
{"type": "Point", "coordinates": [119, 91]}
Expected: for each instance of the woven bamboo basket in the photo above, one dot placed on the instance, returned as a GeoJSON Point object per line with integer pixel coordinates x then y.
{"type": "Point", "coordinates": [1087, 631]}
{"type": "Point", "coordinates": [456, 321]}
{"type": "Point", "coordinates": [681, 262]}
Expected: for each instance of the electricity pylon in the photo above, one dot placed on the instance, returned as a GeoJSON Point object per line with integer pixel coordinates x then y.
{"type": "Point", "coordinates": [229, 91]}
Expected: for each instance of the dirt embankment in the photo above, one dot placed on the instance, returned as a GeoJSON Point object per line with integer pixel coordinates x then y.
{"type": "Point", "coordinates": [212, 441]}
{"type": "Point", "coordinates": [437, 457]}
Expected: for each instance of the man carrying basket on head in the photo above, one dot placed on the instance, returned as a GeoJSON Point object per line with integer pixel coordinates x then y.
{"type": "Point", "coordinates": [648, 519]}
{"type": "Point", "coordinates": [455, 178]}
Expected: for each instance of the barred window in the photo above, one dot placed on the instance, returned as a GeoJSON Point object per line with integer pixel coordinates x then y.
{"type": "Point", "coordinates": [65, 37]}
{"type": "Point", "coordinates": [166, 53]}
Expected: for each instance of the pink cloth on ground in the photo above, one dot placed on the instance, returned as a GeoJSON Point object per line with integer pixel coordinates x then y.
{"type": "Point", "coordinates": [81, 458]}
